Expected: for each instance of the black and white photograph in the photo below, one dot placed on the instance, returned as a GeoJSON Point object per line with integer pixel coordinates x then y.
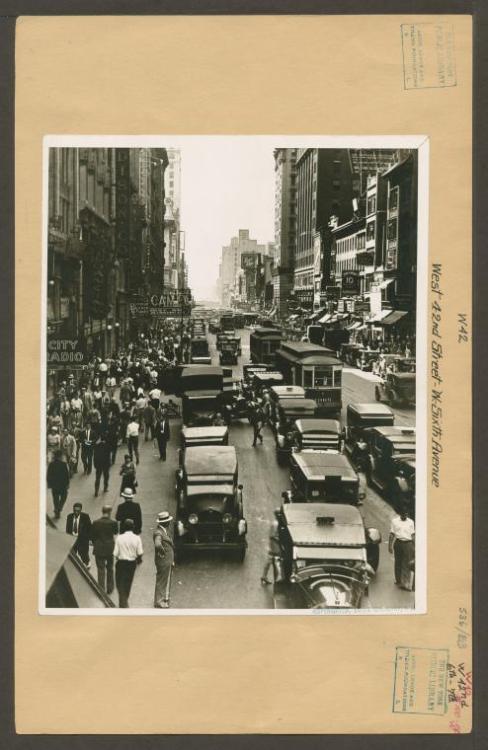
{"type": "Point", "coordinates": [234, 366]}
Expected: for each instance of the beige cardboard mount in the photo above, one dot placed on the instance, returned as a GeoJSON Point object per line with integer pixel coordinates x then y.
{"type": "Point", "coordinates": [289, 75]}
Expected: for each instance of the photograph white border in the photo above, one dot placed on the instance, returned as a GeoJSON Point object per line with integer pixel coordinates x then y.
{"type": "Point", "coordinates": [419, 142]}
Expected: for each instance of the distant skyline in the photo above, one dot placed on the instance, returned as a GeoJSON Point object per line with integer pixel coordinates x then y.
{"type": "Point", "coordinates": [225, 186]}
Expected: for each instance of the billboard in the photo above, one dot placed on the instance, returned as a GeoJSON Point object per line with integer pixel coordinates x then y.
{"type": "Point", "coordinates": [350, 282]}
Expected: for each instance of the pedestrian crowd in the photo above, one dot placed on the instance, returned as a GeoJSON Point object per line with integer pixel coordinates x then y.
{"type": "Point", "coordinates": [112, 406]}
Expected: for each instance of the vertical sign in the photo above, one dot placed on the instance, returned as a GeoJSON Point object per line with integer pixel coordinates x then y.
{"type": "Point", "coordinates": [122, 201]}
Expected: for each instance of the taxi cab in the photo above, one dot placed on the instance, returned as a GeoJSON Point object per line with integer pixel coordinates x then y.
{"type": "Point", "coordinates": [327, 557]}
{"type": "Point", "coordinates": [209, 505]}
{"type": "Point", "coordinates": [194, 436]}
{"type": "Point", "coordinates": [359, 418]}
{"type": "Point", "coordinates": [390, 458]}
{"type": "Point", "coordinates": [323, 476]}
{"type": "Point", "coordinates": [309, 433]}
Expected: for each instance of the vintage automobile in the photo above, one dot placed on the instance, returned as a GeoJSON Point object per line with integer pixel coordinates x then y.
{"type": "Point", "coordinates": [288, 410]}
{"type": "Point", "coordinates": [209, 507]}
{"type": "Point", "coordinates": [214, 326]}
{"type": "Point", "coordinates": [229, 351]}
{"type": "Point", "coordinates": [192, 437]}
{"type": "Point", "coordinates": [397, 388]}
{"type": "Point", "coordinates": [386, 446]}
{"type": "Point", "coordinates": [327, 557]}
{"type": "Point", "coordinates": [323, 476]}
{"type": "Point", "coordinates": [263, 344]}
{"type": "Point", "coordinates": [359, 417]}
{"type": "Point", "coordinates": [350, 352]}
{"type": "Point", "coordinates": [204, 390]}
{"type": "Point", "coordinates": [279, 392]}
{"type": "Point", "coordinates": [402, 489]}
{"type": "Point", "coordinates": [314, 433]}
{"type": "Point", "coordinates": [199, 351]}
{"type": "Point", "coordinates": [265, 380]}
{"type": "Point", "coordinates": [248, 371]}
{"type": "Point", "coordinates": [317, 370]}
{"type": "Point", "coordinates": [366, 359]}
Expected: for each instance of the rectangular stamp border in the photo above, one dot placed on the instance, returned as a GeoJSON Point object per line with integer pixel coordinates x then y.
{"type": "Point", "coordinates": [420, 713]}
{"type": "Point", "coordinates": [407, 63]}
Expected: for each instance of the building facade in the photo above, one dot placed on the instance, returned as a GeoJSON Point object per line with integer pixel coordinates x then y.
{"type": "Point", "coordinates": [285, 228]}
{"type": "Point", "coordinates": [235, 280]}
{"type": "Point", "coordinates": [105, 241]}
{"type": "Point", "coordinates": [324, 181]}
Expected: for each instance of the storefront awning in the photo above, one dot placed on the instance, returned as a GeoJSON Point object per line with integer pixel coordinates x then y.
{"type": "Point", "coordinates": [293, 317]}
{"type": "Point", "coordinates": [394, 317]}
{"type": "Point", "coordinates": [326, 318]}
{"type": "Point", "coordinates": [386, 282]}
{"type": "Point", "coordinates": [354, 326]}
{"type": "Point", "coordinates": [379, 316]}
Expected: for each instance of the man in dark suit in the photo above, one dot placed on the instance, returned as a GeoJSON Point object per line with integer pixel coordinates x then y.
{"type": "Point", "coordinates": [103, 532]}
{"type": "Point", "coordinates": [162, 433]}
{"type": "Point", "coordinates": [101, 461]}
{"type": "Point", "coordinates": [112, 436]}
{"type": "Point", "coordinates": [129, 509]}
{"type": "Point", "coordinates": [78, 525]}
{"type": "Point", "coordinates": [88, 438]}
{"type": "Point", "coordinates": [58, 482]}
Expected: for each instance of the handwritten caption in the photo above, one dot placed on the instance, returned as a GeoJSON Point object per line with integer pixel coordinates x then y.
{"type": "Point", "coordinates": [436, 373]}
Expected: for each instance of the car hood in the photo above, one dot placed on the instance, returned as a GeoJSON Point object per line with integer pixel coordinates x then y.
{"type": "Point", "coordinates": [332, 587]}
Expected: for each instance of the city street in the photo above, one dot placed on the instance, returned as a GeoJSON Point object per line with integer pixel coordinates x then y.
{"type": "Point", "coordinates": [207, 581]}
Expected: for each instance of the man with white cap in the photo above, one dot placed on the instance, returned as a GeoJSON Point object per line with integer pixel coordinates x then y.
{"type": "Point", "coordinates": [163, 559]}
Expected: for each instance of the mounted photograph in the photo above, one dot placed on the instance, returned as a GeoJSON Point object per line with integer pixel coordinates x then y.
{"type": "Point", "coordinates": [233, 407]}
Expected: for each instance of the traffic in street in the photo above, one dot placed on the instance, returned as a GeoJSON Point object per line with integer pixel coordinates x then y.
{"type": "Point", "coordinates": [212, 579]}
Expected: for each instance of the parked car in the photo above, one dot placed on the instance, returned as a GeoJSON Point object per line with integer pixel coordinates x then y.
{"type": "Point", "coordinates": [209, 505]}
{"type": "Point", "coordinates": [323, 476]}
{"type": "Point", "coordinates": [389, 452]}
{"type": "Point", "coordinates": [397, 388]}
{"type": "Point", "coordinates": [359, 417]}
{"type": "Point", "coordinates": [327, 557]}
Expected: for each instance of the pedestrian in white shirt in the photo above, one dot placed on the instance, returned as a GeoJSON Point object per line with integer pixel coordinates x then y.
{"type": "Point", "coordinates": [155, 396]}
{"type": "Point", "coordinates": [132, 436]}
{"type": "Point", "coordinates": [401, 544]}
{"type": "Point", "coordinates": [128, 554]}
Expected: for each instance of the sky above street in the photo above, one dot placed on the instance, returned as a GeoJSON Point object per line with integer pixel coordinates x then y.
{"type": "Point", "coordinates": [226, 185]}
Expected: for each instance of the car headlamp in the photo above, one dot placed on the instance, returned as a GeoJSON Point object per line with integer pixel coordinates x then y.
{"type": "Point", "coordinates": [227, 518]}
{"type": "Point", "coordinates": [193, 518]}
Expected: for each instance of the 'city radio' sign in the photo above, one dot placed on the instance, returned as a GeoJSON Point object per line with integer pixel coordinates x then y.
{"type": "Point", "coordinates": [65, 353]}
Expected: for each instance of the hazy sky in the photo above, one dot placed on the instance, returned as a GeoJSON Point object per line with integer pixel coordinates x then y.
{"type": "Point", "coordinates": [225, 186]}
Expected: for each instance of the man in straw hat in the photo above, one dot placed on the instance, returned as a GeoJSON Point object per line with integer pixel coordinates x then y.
{"type": "Point", "coordinates": [163, 559]}
{"type": "Point", "coordinates": [129, 509]}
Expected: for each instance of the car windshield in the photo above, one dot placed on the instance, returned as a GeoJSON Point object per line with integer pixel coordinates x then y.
{"type": "Point", "coordinates": [200, 348]}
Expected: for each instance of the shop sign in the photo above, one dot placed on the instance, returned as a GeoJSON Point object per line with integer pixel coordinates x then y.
{"type": "Point", "coordinates": [350, 282]}
{"type": "Point", "coordinates": [65, 352]}
{"type": "Point", "coordinates": [332, 292]}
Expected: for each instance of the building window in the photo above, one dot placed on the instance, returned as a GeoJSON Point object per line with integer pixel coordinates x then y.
{"type": "Point", "coordinates": [392, 229]}
{"type": "Point", "coordinates": [393, 199]}
{"type": "Point", "coordinates": [336, 184]}
{"type": "Point", "coordinates": [370, 231]}
{"type": "Point", "coordinates": [371, 204]}
{"type": "Point", "coordinates": [323, 376]}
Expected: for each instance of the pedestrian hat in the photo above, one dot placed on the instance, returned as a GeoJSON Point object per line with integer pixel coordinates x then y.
{"type": "Point", "coordinates": [164, 517]}
{"type": "Point", "coordinates": [128, 492]}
